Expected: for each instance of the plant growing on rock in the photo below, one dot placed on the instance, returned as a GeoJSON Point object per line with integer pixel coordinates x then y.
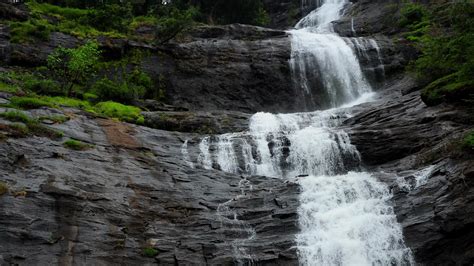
{"type": "Point", "coordinates": [76, 145]}
{"type": "Point", "coordinates": [150, 252]}
{"type": "Point", "coordinates": [3, 188]}
{"type": "Point", "coordinates": [73, 66]}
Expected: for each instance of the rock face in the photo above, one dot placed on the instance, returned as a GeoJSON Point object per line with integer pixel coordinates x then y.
{"type": "Point", "coordinates": [402, 137]}
{"type": "Point", "coordinates": [130, 191]}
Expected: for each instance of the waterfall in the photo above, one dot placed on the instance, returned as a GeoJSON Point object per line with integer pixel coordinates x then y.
{"type": "Point", "coordinates": [324, 66]}
{"type": "Point", "coordinates": [345, 216]}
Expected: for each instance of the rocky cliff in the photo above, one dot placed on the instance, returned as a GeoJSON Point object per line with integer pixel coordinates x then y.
{"type": "Point", "coordinates": [133, 189]}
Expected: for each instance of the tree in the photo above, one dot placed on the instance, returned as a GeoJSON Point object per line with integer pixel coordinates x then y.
{"type": "Point", "coordinates": [73, 66]}
{"type": "Point", "coordinates": [174, 22]}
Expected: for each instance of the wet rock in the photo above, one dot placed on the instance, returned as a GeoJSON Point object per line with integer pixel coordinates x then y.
{"type": "Point", "coordinates": [198, 122]}
{"type": "Point", "coordinates": [106, 204]}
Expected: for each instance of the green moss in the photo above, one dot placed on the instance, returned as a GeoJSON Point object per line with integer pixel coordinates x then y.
{"type": "Point", "coordinates": [468, 141]}
{"type": "Point", "coordinates": [122, 112]}
{"type": "Point", "coordinates": [5, 87]}
{"type": "Point", "coordinates": [58, 119]}
{"type": "Point", "coordinates": [3, 188]}
{"type": "Point", "coordinates": [17, 116]}
{"type": "Point", "coordinates": [150, 252]}
{"type": "Point", "coordinates": [76, 145]}
{"type": "Point", "coordinates": [18, 130]}
{"type": "Point", "coordinates": [141, 21]}
{"type": "Point", "coordinates": [30, 102]}
{"type": "Point", "coordinates": [449, 88]}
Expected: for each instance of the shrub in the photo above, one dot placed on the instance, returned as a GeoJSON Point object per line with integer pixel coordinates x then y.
{"type": "Point", "coordinates": [150, 252]}
{"type": "Point", "coordinates": [123, 92]}
{"type": "Point", "coordinates": [76, 145]}
{"type": "Point", "coordinates": [42, 86]}
{"type": "Point", "coordinates": [111, 17]}
{"type": "Point", "coordinates": [30, 30]}
{"type": "Point", "coordinates": [30, 102]}
{"type": "Point", "coordinates": [122, 112]}
{"type": "Point", "coordinates": [73, 66]}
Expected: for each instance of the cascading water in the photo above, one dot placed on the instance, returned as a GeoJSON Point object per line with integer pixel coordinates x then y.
{"type": "Point", "coordinates": [344, 216]}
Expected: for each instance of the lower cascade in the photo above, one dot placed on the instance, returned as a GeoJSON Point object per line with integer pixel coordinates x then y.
{"type": "Point", "coordinates": [345, 216]}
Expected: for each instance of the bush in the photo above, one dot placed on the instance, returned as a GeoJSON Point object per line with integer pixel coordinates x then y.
{"type": "Point", "coordinates": [444, 34]}
{"type": "Point", "coordinates": [30, 31]}
{"type": "Point", "coordinates": [122, 112]}
{"type": "Point", "coordinates": [42, 86]}
{"type": "Point", "coordinates": [76, 145]}
{"type": "Point", "coordinates": [111, 17]}
{"type": "Point", "coordinates": [73, 66]}
{"type": "Point", "coordinates": [125, 89]}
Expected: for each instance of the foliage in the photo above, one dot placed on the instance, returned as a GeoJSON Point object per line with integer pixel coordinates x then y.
{"type": "Point", "coordinates": [73, 66]}
{"type": "Point", "coordinates": [5, 87]}
{"type": "Point", "coordinates": [112, 17]}
{"type": "Point", "coordinates": [122, 112]}
{"type": "Point", "coordinates": [17, 116]}
{"type": "Point", "coordinates": [31, 126]}
{"type": "Point", "coordinates": [42, 86]}
{"type": "Point", "coordinates": [76, 145]}
{"type": "Point", "coordinates": [444, 34]}
{"type": "Point", "coordinates": [57, 119]}
{"type": "Point", "coordinates": [174, 23]}
{"type": "Point", "coordinates": [469, 140]}
{"type": "Point", "coordinates": [123, 92]}
{"type": "Point", "coordinates": [30, 30]}
{"type": "Point", "coordinates": [30, 102]}
{"type": "Point", "coordinates": [150, 252]}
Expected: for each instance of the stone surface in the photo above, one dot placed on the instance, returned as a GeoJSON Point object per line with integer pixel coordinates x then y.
{"type": "Point", "coordinates": [132, 190]}
{"type": "Point", "coordinates": [198, 122]}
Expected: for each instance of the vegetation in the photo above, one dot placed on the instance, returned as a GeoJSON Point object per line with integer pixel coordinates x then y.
{"type": "Point", "coordinates": [73, 66]}
{"type": "Point", "coordinates": [444, 33]}
{"type": "Point", "coordinates": [469, 140]}
{"type": "Point", "coordinates": [122, 112]}
{"type": "Point", "coordinates": [30, 102]}
{"type": "Point", "coordinates": [150, 252]}
{"type": "Point", "coordinates": [76, 145]}
{"type": "Point", "coordinates": [3, 188]}
{"type": "Point", "coordinates": [17, 116]}
{"type": "Point", "coordinates": [28, 126]}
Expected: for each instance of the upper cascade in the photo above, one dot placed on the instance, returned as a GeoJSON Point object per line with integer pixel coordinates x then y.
{"type": "Point", "coordinates": [325, 69]}
{"type": "Point", "coordinates": [320, 20]}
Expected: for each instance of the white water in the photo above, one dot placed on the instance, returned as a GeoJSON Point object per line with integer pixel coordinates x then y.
{"type": "Point", "coordinates": [345, 216]}
{"type": "Point", "coordinates": [323, 64]}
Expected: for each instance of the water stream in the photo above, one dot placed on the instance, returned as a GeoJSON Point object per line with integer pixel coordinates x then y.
{"type": "Point", "coordinates": [345, 216]}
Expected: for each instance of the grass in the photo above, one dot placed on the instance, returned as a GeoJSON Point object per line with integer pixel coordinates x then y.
{"type": "Point", "coordinates": [122, 112]}
{"type": "Point", "coordinates": [57, 119]}
{"type": "Point", "coordinates": [29, 126]}
{"type": "Point", "coordinates": [143, 21]}
{"type": "Point", "coordinates": [3, 188]}
{"type": "Point", "coordinates": [5, 87]}
{"type": "Point", "coordinates": [76, 145]}
{"type": "Point", "coordinates": [30, 102]}
{"type": "Point", "coordinates": [150, 252]}
{"type": "Point", "coordinates": [17, 116]}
